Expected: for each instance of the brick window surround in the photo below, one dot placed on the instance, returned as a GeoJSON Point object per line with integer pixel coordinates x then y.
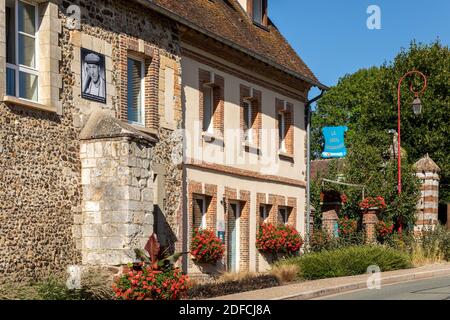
{"type": "Point", "coordinates": [274, 202]}
{"type": "Point", "coordinates": [255, 98]}
{"type": "Point", "coordinates": [217, 83]}
{"type": "Point", "coordinates": [287, 110]}
{"type": "Point", "coordinates": [208, 192]}
{"type": "Point", "coordinates": [150, 55]}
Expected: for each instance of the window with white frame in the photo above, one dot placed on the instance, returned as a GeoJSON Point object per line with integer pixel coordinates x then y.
{"type": "Point", "coordinates": [135, 85]}
{"type": "Point", "coordinates": [248, 132]}
{"type": "Point", "coordinates": [22, 73]}
{"type": "Point", "coordinates": [264, 213]}
{"type": "Point", "coordinates": [284, 214]}
{"type": "Point", "coordinates": [201, 203]}
{"type": "Point", "coordinates": [258, 11]}
{"type": "Point", "coordinates": [282, 131]}
{"type": "Point", "coordinates": [208, 109]}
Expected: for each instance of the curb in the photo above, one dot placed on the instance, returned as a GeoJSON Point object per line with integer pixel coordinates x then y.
{"type": "Point", "coordinates": [363, 285]}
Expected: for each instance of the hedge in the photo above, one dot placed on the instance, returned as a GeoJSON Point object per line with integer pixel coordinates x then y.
{"type": "Point", "coordinates": [349, 261]}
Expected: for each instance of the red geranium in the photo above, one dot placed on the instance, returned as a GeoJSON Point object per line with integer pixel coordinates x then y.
{"type": "Point", "coordinates": [151, 284]}
{"type": "Point", "coordinates": [281, 239]}
{"type": "Point", "coordinates": [206, 247]}
{"type": "Point", "coordinates": [370, 202]}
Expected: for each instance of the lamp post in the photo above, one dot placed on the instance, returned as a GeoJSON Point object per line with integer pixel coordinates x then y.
{"type": "Point", "coordinates": [417, 109]}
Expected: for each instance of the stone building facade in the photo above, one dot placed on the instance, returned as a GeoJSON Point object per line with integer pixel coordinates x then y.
{"type": "Point", "coordinates": [84, 182]}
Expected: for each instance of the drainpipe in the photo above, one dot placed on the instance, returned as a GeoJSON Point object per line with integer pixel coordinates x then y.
{"type": "Point", "coordinates": [308, 163]}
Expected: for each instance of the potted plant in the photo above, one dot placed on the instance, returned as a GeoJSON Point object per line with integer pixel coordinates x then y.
{"type": "Point", "coordinates": [278, 240]}
{"type": "Point", "coordinates": [205, 247]}
{"type": "Point", "coordinates": [372, 204]}
{"type": "Point", "coordinates": [154, 278]}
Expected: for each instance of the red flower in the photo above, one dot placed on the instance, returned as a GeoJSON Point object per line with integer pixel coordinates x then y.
{"type": "Point", "coordinates": [206, 247]}
{"type": "Point", "coordinates": [282, 239]}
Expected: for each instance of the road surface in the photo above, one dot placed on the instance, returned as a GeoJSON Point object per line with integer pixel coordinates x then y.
{"type": "Point", "coordinates": [427, 289]}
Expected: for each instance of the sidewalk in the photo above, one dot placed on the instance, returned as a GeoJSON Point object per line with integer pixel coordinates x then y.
{"type": "Point", "coordinates": [324, 287]}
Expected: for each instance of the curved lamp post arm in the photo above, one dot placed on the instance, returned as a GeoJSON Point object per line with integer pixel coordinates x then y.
{"type": "Point", "coordinates": [416, 94]}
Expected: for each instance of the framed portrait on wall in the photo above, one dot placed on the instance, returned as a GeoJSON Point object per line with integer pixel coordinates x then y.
{"type": "Point", "coordinates": [93, 76]}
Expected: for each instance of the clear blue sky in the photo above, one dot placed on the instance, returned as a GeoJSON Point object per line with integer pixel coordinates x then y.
{"type": "Point", "coordinates": [332, 38]}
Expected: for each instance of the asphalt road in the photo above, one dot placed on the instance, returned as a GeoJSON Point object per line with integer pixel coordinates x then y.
{"type": "Point", "coordinates": [428, 289]}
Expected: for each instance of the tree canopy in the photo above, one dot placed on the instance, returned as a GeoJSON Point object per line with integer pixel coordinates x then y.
{"type": "Point", "coordinates": [366, 102]}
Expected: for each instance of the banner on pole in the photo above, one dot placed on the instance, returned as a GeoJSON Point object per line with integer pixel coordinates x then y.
{"type": "Point", "coordinates": [334, 142]}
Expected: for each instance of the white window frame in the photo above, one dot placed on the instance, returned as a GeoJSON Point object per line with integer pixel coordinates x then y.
{"type": "Point", "coordinates": [265, 215]}
{"type": "Point", "coordinates": [284, 216]}
{"type": "Point", "coordinates": [237, 225]}
{"type": "Point", "coordinates": [282, 130]}
{"type": "Point", "coordinates": [142, 107]}
{"type": "Point", "coordinates": [259, 19]}
{"type": "Point", "coordinates": [248, 134]}
{"type": "Point", "coordinates": [203, 224]}
{"type": "Point", "coordinates": [17, 67]}
{"type": "Point", "coordinates": [210, 91]}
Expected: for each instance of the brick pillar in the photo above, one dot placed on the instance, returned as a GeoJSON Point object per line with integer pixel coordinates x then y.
{"type": "Point", "coordinates": [427, 208]}
{"type": "Point", "coordinates": [329, 222]}
{"type": "Point", "coordinates": [369, 221]}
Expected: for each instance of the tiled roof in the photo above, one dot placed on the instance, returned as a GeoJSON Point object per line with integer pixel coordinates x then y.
{"type": "Point", "coordinates": [227, 20]}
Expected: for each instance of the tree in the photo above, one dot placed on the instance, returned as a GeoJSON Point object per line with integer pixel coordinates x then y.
{"type": "Point", "coordinates": [366, 102]}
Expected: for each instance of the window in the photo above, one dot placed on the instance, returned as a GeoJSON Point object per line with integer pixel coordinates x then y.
{"type": "Point", "coordinates": [282, 131]}
{"type": "Point", "coordinates": [248, 134]}
{"type": "Point", "coordinates": [201, 204]}
{"type": "Point", "coordinates": [264, 213]}
{"type": "Point", "coordinates": [208, 109]}
{"type": "Point", "coordinates": [283, 212]}
{"type": "Point", "coordinates": [21, 53]}
{"type": "Point", "coordinates": [135, 85]}
{"type": "Point", "coordinates": [258, 11]}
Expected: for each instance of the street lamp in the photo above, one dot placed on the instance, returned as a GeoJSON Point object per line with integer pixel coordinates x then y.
{"type": "Point", "coordinates": [417, 109]}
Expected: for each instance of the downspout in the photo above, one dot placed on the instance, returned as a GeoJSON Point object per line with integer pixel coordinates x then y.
{"type": "Point", "coordinates": [308, 163]}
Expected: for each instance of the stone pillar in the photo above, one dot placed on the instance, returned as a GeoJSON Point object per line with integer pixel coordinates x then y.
{"type": "Point", "coordinates": [428, 207]}
{"type": "Point", "coordinates": [330, 223]}
{"type": "Point", "coordinates": [369, 222]}
{"type": "Point", "coordinates": [117, 203]}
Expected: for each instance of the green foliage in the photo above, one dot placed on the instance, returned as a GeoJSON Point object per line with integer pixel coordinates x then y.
{"type": "Point", "coordinates": [94, 286]}
{"type": "Point", "coordinates": [366, 102]}
{"type": "Point", "coordinates": [321, 241]}
{"type": "Point", "coordinates": [349, 261]}
{"type": "Point", "coordinates": [431, 246]}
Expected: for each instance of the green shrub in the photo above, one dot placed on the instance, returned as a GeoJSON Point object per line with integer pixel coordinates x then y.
{"type": "Point", "coordinates": [349, 261]}
{"type": "Point", "coordinates": [320, 241]}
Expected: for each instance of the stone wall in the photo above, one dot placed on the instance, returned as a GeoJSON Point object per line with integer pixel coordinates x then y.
{"type": "Point", "coordinates": [40, 177]}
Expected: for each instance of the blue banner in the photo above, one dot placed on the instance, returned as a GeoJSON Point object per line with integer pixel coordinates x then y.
{"type": "Point", "coordinates": [334, 142]}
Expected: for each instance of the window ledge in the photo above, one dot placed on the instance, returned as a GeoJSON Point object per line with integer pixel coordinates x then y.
{"type": "Point", "coordinates": [150, 131]}
{"type": "Point", "coordinates": [211, 137]}
{"type": "Point", "coordinates": [28, 104]}
{"type": "Point", "coordinates": [286, 156]}
{"type": "Point", "coordinates": [251, 147]}
{"type": "Point", "coordinates": [265, 28]}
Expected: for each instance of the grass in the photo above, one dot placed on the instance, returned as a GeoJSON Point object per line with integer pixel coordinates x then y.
{"type": "Point", "coordinates": [348, 261]}
{"type": "Point", "coordinates": [94, 286]}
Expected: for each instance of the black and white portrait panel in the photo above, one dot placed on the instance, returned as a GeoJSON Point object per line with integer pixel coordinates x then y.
{"type": "Point", "coordinates": [93, 76]}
